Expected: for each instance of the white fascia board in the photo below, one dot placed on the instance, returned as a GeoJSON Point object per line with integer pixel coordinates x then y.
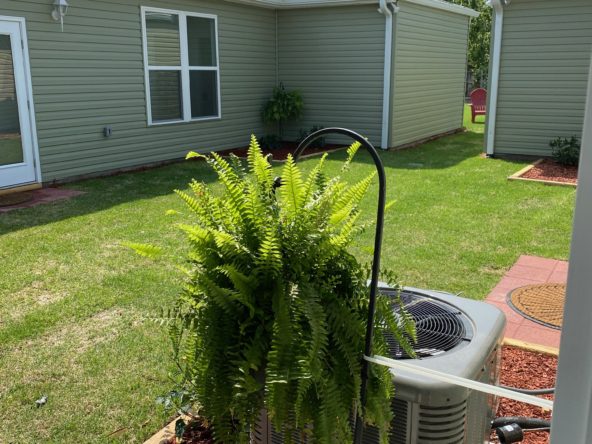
{"type": "Point", "coordinates": [445, 6]}
{"type": "Point", "coordinates": [295, 4]}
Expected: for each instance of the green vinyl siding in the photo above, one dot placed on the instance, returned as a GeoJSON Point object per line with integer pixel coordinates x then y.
{"type": "Point", "coordinates": [334, 56]}
{"type": "Point", "coordinates": [430, 56]}
{"type": "Point", "coordinates": [92, 75]}
{"type": "Point", "coordinates": [545, 59]}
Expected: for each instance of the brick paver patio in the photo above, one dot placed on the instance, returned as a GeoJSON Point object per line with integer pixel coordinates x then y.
{"type": "Point", "coordinates": [526, 271]}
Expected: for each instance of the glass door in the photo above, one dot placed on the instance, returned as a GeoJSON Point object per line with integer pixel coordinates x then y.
{"type": "Point", "coordinates": [17, 166]}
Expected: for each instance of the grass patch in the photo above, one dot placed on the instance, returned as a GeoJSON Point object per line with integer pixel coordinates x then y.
{"type": "Point", "coordinates": [74, 304]}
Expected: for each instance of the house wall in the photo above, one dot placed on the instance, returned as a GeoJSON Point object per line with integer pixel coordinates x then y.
{"type": "Point", "coordinates": [334, 56]}
{"type": "Point", "coordinates": [430, 59]}
{"type": "Point", "coordinates": [545, 59]}
{"type": "Point", "coordinates": [92, 75]}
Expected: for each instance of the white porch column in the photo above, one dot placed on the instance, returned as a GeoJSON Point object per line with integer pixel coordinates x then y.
{"type": "Point", "coordinates": [572, 418]}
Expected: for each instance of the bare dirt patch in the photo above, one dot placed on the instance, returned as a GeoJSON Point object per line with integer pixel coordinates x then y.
{"type": "Point", "coordinates": [54, 356]}
{"type": "Point", "coordinates": [549, 170]}
{"type": "Point", "coordinates": [102, 327]}
{"type": "Point", "coordinates": [27, 299]}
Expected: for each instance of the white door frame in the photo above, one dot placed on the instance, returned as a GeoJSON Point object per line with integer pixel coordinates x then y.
{"type": "Point", "coordinates": [30, 109]}
{"type": "Point", "coordinates": [572, 418]}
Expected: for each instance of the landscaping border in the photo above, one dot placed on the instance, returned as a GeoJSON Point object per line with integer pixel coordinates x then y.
{"type": "Point", "coordinates": [164, 435]}
{"type": "Point", "coordinates": [518, 176]}
{"type": "Point", "coordinates": [531, 346]}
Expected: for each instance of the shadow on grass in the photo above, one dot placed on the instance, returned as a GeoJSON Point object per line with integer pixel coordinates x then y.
{"type": "Point", "coordinates": [107, 192]}
{"type": "Point", "coordinates": [443, 153]}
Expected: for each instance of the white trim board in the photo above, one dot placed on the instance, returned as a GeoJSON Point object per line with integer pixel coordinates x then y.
{"type": "Point", "coordinates": [445, 6]}
{"type": "Point", "coordinates": [184, 67]}
{"type": "Point", "coordinates": [293, 4]}
{"type": "Point", "coordinates": [572, 419]}
{"type": "Point", "coordinates": [29, 87]}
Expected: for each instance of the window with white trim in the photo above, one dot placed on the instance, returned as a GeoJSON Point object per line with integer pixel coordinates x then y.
{"type": "Point", "coordinates": [181, 66]}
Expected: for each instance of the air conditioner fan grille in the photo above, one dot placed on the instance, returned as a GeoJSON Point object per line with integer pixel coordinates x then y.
{"type": "Point", "coordinates": [440, 326]}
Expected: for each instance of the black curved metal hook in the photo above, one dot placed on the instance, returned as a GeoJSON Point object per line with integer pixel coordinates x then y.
{"type": "Point", "coordinates": [359, 424]}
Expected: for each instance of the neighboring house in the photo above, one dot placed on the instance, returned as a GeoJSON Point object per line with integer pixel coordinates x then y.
{"type": "Point", "coordinates": [137, 82]}
{"type": "Point", "coordinates": [540, 61]}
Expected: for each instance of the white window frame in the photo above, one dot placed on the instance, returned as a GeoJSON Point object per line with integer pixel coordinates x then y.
{"type": "Point", "coordinates": [184, 67]}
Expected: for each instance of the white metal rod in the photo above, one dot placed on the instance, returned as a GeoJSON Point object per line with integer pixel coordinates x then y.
{"type": "Point", "coordinates": [463, 382]}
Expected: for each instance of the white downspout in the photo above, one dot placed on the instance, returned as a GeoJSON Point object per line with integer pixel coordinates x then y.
{"type": "Point", "coordinates": [495, 73]}
{"type": "Point", "coordinates": [388, 55]}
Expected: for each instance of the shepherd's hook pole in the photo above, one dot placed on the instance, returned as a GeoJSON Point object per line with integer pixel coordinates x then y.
{"type": "Point", "coordinates": [359, 422]}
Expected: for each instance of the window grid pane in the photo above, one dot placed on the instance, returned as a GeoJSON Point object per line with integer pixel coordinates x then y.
{"type": "Point", "coordinates": [162, 32]}
{"type": "Point", "coordinates": [201, 41]}
{"type": "Point", "coordinates": [204, 93]}
{"type": "Point", "coordinates": [181, 66]}
{"type": "Point", "coordinates": [11, 147]}
{"type": "Point", "coordinates": [165, 95]}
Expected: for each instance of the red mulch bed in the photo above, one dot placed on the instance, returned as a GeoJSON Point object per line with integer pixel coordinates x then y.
{"type": "Point", "coordinates": [282, 152]}
{"type": "Point", "coordinates": [520, 368]}
{"type": "Point", "coordinates": [529, 370]}
{"type": "Point", "coordinates": [550, 170]}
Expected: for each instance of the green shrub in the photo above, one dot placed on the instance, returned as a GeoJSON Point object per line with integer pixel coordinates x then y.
{"type": "Point", "coordinates": [319, 143]}
{"type": "Point", "coordinates": [283, 106]}
{"type": "Point", "coordinates": [270, 142]}
{"type": "Point", "coordinates": [566, 151]}
{"type": "Point", "coordinates": [273, 311]}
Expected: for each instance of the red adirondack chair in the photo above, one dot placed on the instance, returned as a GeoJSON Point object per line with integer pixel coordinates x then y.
{"type": "Point", "coordinates": [478, 103]}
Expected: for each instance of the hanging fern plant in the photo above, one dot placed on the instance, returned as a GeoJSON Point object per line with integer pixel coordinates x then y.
{"type": "Point", "coordinates": [273, 311]}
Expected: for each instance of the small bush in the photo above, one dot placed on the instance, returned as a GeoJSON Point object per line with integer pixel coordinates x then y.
{"type": "Point", "coordinates": [282, 107]}
{"type": "Point", "coordinates": [566, 151]}
{"type": "Point", "coordinates": [270, 142]}
{"type": "Point", "coordinates": [319, 143]}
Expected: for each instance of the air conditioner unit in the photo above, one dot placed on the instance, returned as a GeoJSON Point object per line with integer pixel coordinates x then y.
{"type": "Point", "coordinates": [458, 336]}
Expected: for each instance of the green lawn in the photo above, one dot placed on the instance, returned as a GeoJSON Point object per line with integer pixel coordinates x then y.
{"type": "Point", "coordinates": [75, 306]}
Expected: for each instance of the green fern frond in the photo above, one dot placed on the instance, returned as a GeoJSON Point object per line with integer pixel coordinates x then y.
{"type": "Point", "coordinates": [269, 258]}
{"type": "Point", "coordinates": [313, 179]}
{"type": "Point", "coordinates": [259, 165]}
{"type": "Point", "coordinates": [146, 250]}
{"type": "Point", "coordinates": [194, 155]}
{"type": "Point", "coordinates": [272, 313]}
{"type": "Point", "coordinates": [291, 190]}
{"type": "Point", "coordinates": [353, 195]}
{"type": "Point", "coordinates": [351, 152]}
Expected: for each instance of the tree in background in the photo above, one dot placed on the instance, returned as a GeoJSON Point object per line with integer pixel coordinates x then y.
{"type": "Point", "coordinates": [479, 37]}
